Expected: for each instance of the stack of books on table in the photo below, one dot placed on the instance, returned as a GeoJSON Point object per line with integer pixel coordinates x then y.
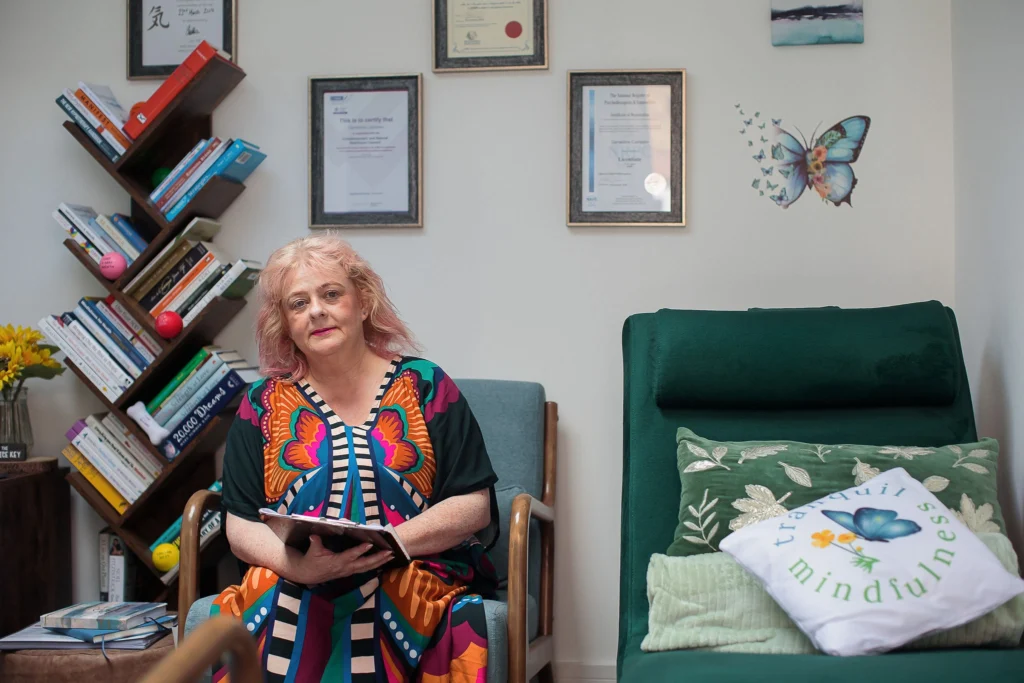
{"type": "Point", "coordinates": [110, 458]}
{"type": "Point", "coordinates": [89, 625]}
{"type": "Point", "coordinates": [95, 110]}
{"type": "Point", "coordinates": [204, 387]}
{"type": "Point", "coordinates": [98, 234]}
{"type": "Point", "coordinates": [190, 272]}
{"type": "Point", "coordinates": [105, 341]}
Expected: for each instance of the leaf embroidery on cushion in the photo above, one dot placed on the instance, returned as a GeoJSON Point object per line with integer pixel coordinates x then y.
{"type": "Point", "coordinates": [760, 452]}
{"type": "Point", "coordinates": [701, 526]}
{"type": "Point", "coordinates": [977, 519]}
{"type": "Point", "coordinates": [863, 472]}
{"type": "Point", "coordinates": [907, 452]}
{"type": "Point", "coordinates": [759, 506]}
{"type": "Point", "coordinates": [797, 474]}
{"type": "Point", "coordinates": [936, 483]}
{"type": "Point", "coordinates": [709, 461]}
{"type": "Point", "coordinates": [821, 452]}
{"type": "Point", "coordinates": [978, 453]}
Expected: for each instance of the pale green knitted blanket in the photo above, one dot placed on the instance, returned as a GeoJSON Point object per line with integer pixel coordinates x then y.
{"type": "Point", "coordinates": [710, 602]}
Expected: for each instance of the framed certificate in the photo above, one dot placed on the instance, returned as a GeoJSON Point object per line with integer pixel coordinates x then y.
{"type": "Point", "coordinates": [480, 35]}
{"type": "Point", "coordinates": [161, 33]}
{"type": "Point", "coordinates": [366, 151]}
{"type": "Point", "coordinates": [627, 148]}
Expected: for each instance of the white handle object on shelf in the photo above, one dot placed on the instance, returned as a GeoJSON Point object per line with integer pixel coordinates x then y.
{"type": "Point", "coordinates": [156, 433]}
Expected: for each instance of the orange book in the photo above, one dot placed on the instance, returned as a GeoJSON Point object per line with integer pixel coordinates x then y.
{"type": "Point", "coordinates": [93, 476]}
{"type": "Point", "coordinates": [107, 123]}
{"type": "Point", "coordinates": [184, 282]}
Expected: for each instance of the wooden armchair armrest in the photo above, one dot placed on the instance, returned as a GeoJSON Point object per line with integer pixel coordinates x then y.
{"type": "Point", "coordinates": [525, 659]}
{"type": "Point", "coordinates": [202, 650]}
{"type": "Point", "coordinates": [188, 561]}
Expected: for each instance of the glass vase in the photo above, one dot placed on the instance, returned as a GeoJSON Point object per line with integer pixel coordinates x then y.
{"type": "Point", "coordinates": [15, 425]}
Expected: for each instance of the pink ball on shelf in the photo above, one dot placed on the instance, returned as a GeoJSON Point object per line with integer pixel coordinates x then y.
{"type": "Point", "coordinates": [168, 324]}
{"type": "Point", "coordinates": [112, 265]}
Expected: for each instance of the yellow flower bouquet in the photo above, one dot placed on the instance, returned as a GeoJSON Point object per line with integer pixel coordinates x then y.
{"type": "Point", "coordinates": [22, 357]}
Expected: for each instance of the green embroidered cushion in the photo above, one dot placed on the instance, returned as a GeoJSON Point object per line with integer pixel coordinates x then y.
{"type": "Point", "coordinates": [727, 485]}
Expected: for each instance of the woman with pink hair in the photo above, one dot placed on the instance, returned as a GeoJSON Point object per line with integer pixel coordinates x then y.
{"type": "Point", "coordinates": [346, 426]}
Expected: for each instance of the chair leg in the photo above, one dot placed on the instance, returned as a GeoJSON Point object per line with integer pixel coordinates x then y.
{"type": "Point", "coordinates": [546, 674]}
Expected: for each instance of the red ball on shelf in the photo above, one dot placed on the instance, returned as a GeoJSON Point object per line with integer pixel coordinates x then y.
{"type": "Point", "coordinates": [168, 324]}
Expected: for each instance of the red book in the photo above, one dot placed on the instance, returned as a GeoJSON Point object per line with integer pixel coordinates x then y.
{"type": "Point", "coordinates": [140, 118]}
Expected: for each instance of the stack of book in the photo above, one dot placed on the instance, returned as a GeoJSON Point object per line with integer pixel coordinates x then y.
{"type": "Point", "coordinates": [95, 110]}
{"type": "Point", "coordinates": [113, 625]}
{"type": "Point", "coordinates": [204, 387]}
{"type": "Point", "coordinates": [227, 158]}
{"type": "Point", "coordinates": [98, 234]}
{"type": "Point", "coordinates": [105, 341]}
{"type": "Point", "coordinates": [110, 458]}
{"type": "Point", "coordinates": [190, 272]}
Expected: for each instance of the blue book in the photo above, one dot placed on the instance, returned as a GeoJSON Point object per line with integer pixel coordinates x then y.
{"type": "Point", "coordinates": [105, 147]}
{"type": "Point", "coordinates": [176, 172]}
{"type": "Point", "coordinates": [125, 227]}
{"type": "Point", "coordinates": [245, 162]}
{"type": "Point", "coordinates": [113, 243]}
{"type": "Point", "coordinates": [212, 404]}
{"type": "Point", "coordinates": [227, 158]}
{"type": "Point", "coordinates": [115, 335]}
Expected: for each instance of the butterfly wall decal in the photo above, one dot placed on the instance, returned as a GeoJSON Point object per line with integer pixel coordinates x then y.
{"type": "Point", "coordinates": [764, 139]}
{"type": "Point", "coordinates": [767, 171]}
{"type": "Point", "coordinates": [776, 122]}
{"type": "Point", "coordinates": [825, 163]}
{"type": "Point", "coordinates": [757, 114]}
{"type": "Point", "coordinates": [759, 156]}
{"type": "Point", "coordinates": [763, 124]}
{"type": "Point", "coordinates": [872, 524]}
{"type": "Point", "coordinates": [769, 185]}
{"type": "Point", "coordinates": [756, 184]}
{"type": "Point", "coordinates": [747, 122]}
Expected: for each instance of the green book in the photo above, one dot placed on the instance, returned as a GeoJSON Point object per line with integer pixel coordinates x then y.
{"type": "Point", "coordinates": [182, 375]}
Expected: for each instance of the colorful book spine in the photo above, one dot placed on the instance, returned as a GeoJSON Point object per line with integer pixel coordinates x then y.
{"type": "Point", "coordinates": [128, 319]}
{"type": "Point", "coordinates": [196, 361]}
{"type": "Point", "coordinates": [222, 162]}
{"type": "Point", "coordinates": [176, 172]}
{"type": "Point", "coordinates": [114, 335]}
{"type": "Point", "coordinates": [122, 223]}
{"type": "Point", "coordinates": [108, 151]}
{"type": "Point", "coordinates": [113, 375]}
{"type": "Point", "coordinates": [86, 317]}
{"type": "Point", "coordinates": [188, 389]}
{"type": "Point", "coordinates": [220, 371]}
{"type": "Point", "coordinates": [76, 234]}
{"type": "Point", "coordinates": [118, 239]}
{"type": "Point", "coordinates": [191, 174]}
{"type": "Point", "coordinates": [126, 333]}
{"type": "Point", "coordinates": [172, 533]}
{"type": "Point", "coordinates": [208, 408]}
{"type": "Point", "coordinates": [55, 331]}
{"type": "Point", "coordinates": [94, 477]}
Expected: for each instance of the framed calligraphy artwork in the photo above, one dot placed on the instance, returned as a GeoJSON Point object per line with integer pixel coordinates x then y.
{"type": "Point", "coordinates": [161, 33]}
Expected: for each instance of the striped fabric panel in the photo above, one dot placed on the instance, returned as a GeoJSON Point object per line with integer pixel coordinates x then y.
{"type": "Point", "coordinates": [367, 475]}
{"type": "Point", "coordinates": [418, 500]}
{"type": "Point", "coordinates": [362, 643]}
{"type": "Point", "coordinates": [293, 491]}
{"type": "Point", "coordinates": [284, 629]}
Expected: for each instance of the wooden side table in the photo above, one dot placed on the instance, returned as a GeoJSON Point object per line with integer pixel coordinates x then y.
{"type": "Point", "coordinates": [77, 666]}
{"type": "Point", "coordinates": [35, 542]}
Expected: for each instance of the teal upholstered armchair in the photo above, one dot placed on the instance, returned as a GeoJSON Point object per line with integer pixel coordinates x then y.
{"type": "Point", "coordinates": [882, 376]}
{"type": "Point", "coordinates": [519, 428]}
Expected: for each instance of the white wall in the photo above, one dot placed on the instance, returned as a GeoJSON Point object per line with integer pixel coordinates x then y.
{"type": "Point", "coordinates": [987, 103]}
{"type": "Point", "coordinates": [495, 285]}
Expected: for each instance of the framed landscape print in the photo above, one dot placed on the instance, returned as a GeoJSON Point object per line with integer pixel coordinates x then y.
{"type": "Point", "coordinates": [480, 35]}
{"type": "Point", "coordinates": [366, 151]}
{"type": "Point", "coordinates": [626, 148]}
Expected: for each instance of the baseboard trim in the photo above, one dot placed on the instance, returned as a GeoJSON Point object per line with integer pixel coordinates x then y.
{"type": "Point", "coordinates": [578, 672]}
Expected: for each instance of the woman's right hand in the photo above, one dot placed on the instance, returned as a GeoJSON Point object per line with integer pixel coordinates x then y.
{"type": "Point", "coordinates": [319, 564]}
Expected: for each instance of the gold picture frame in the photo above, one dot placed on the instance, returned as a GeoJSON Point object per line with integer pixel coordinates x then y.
{"type": "Point", "coordinates": [443, 35]}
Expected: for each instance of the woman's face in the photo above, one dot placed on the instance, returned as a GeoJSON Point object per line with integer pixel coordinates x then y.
{"type": "Point", "coordinates": [323, 311]}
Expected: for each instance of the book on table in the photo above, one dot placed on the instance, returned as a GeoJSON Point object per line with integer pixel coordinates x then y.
{"type": "Point", "coordinates": [104, 615]}
{"type": "Point", "coordinates": [337, 535]}
{"type": "Point", "coordinates": [36, 637]}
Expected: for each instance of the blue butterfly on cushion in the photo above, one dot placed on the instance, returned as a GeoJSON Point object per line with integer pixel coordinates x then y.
{"type": "Point", "coordinates": [824, 164]}
{"type": "Point", "coordinates": [873, 525]}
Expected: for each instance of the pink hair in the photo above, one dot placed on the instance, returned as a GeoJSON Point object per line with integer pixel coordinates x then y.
{"type": "Point", "coordinates": [384, 331]}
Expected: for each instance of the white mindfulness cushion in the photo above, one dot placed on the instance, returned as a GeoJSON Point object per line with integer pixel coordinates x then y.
{"type": "Point", "coordinates": [870, 568]}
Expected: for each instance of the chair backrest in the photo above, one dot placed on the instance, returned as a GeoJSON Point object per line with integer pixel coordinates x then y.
{"type": "Point", "coordinates": [511, 417]}
{"type": "Point", "coordinates": [883, 376]}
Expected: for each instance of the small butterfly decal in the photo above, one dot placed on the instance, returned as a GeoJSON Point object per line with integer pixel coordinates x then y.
{"type": "Point", "coordinates": [778, 198]}
{"type": "Point", "coordinates": [769, 185]}
{"type": "Point", "coordinates": [762, 193]}
{"type": "Point", "coordinates": [737, 106]}
{"type": "Point", "coordinates": [757, 114]}
{"type": "Point", "coordinates": [764, 139]}
{"type": "Point", "coordinates": [759, 156]}
{"type": "Point", "coordinates": [741, 113]}
{"type": "Point", "coordinates": [763, 125]}
{"type": "Point", "coordinates": [748, 122]}
{"type": "Point", "coordinates": [756, 184]}
{"type": "Point", "coordinates": [776, 122]}
{"type": "Point", "coordinates": [873, 525]}
{"type": "Point", "coordinates": [750, 143]}
{"type": "Point", "coordinates": [768, 171]}
{"type": "Point", "coordinates": [743, 131]}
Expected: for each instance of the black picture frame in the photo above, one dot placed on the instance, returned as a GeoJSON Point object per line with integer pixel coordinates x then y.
{"type": "Point", "coordinates": [443, 63]}
{"type": "Point", "coordinates": [318, 87]}
{"type": "Point", "coordinates": [136, 35]}
{"type": "Point", "coordinates": [576, 81]}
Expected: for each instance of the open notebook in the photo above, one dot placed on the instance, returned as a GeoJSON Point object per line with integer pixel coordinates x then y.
{"type": "Point", "coordinates": [337, 534]}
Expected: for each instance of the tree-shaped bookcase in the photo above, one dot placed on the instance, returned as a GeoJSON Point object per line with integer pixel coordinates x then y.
{"type": "Point", "coordinates": [177, 128]}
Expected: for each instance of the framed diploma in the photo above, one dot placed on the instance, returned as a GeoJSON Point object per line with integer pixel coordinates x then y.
{"type": "Point", "coordinates": [627, 148]}
{"type": "Point", "coordinates": [480, 35]}
{"type": "Point", "coordinates": [366, 151]}
{"type": "Point", "coordinates": [161, 33]}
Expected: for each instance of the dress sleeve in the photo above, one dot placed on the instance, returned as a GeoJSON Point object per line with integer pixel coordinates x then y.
{"type": "Point", "coordinates": [463, 465]}
{"type": "Point", "coordinates": [242, 478]}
